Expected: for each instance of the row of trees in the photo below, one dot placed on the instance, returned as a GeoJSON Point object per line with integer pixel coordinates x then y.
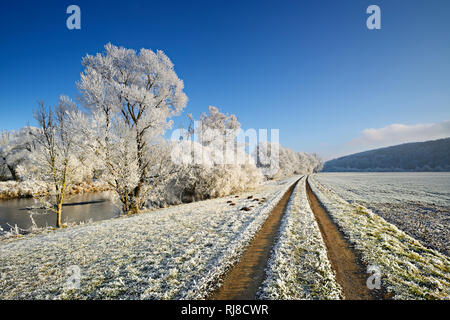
{"type": "Point", "coordinates": [293, 163]}
{"type": "Point", "coordinates": [128, 101]}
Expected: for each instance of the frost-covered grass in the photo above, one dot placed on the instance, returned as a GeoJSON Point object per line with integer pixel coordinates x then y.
{"type": "Point", "coordinates": [173, 253]}
{"type": "Point", "coordinates": [393, 187]}
{"type": "Point", "coordinates": [299, 267]}
{"type": "Point", "coordinates": [417, 203]}
{"type": "Point", "coordinates": [409, 270]}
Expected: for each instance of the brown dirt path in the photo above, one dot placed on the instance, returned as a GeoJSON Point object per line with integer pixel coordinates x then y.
{"type": "Point", "coordinates": [244, 279]}
{"type": "Point", "coordinates": [349, 272]}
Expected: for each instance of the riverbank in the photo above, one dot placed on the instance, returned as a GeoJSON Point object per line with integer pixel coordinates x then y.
{"type": "Point", "coordinates": [29, 189]}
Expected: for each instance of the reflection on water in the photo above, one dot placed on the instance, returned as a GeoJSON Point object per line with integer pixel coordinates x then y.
{"type": "Point", "coordinates": [78, 208]}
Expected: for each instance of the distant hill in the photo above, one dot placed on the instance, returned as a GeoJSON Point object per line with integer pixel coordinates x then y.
{"type": "Point", "coordinates": [417, 156]}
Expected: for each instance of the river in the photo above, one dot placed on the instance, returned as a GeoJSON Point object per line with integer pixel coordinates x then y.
{"type": "Point", "coordinates": [78, 208]}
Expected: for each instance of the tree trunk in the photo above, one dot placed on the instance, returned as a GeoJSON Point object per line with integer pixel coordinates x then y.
{"type": "Point", "coordinates": [135, 203]}
{"type": "Point", "coordinates": [13, 172]}
{"type": "Point", "coordinates": [134, 206]}
{"type": "Point", "coordinates": [58, 215]}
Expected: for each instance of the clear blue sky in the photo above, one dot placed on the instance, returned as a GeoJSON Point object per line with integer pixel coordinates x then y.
{"type": "Point", "coordinates": [310, 68]}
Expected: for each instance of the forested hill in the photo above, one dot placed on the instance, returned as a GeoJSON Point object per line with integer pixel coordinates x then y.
{"type": "Point", "coordinates": [417, 156]}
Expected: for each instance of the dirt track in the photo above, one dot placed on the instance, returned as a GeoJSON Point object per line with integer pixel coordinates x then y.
{"type": "Point", "coordinates": [349, 272]}
{"type": "Point", "coordinates": [244, 279]}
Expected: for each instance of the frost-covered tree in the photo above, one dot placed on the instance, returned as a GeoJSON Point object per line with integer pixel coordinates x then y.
{"type": "Point", "coordinates": [131, 96]}
{"type": "Point", "coordinates": [289, 163]}
{"type": "Point", "coordinates": [54, 159]}
{"type": "Point", "coordinates": [217, 128]}
{"type": "Point", "coordinates": [213, 161]}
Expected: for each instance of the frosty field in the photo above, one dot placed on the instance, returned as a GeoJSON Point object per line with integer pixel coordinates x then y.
{"type": "Point", "coordinates": [184, 251]}
{"type": "Point", "coordinates": [409, 270]}
{"type": "Point", "coordinates": [417, 203]}
{"type": "Point", "coordinates": [173, 253]}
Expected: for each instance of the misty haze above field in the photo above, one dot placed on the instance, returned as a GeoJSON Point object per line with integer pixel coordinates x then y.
{"type": "Point", "coordinates": [417, 156]}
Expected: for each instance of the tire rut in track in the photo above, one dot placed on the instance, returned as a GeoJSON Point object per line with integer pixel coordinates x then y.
{"type": "Point", "coordinates": [349, 272]}
{"type": "Point", "coordinates": [244, 279]}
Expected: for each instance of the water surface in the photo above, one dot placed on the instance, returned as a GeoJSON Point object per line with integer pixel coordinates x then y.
{"type": "Point", "coordinates": [78, 208]}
